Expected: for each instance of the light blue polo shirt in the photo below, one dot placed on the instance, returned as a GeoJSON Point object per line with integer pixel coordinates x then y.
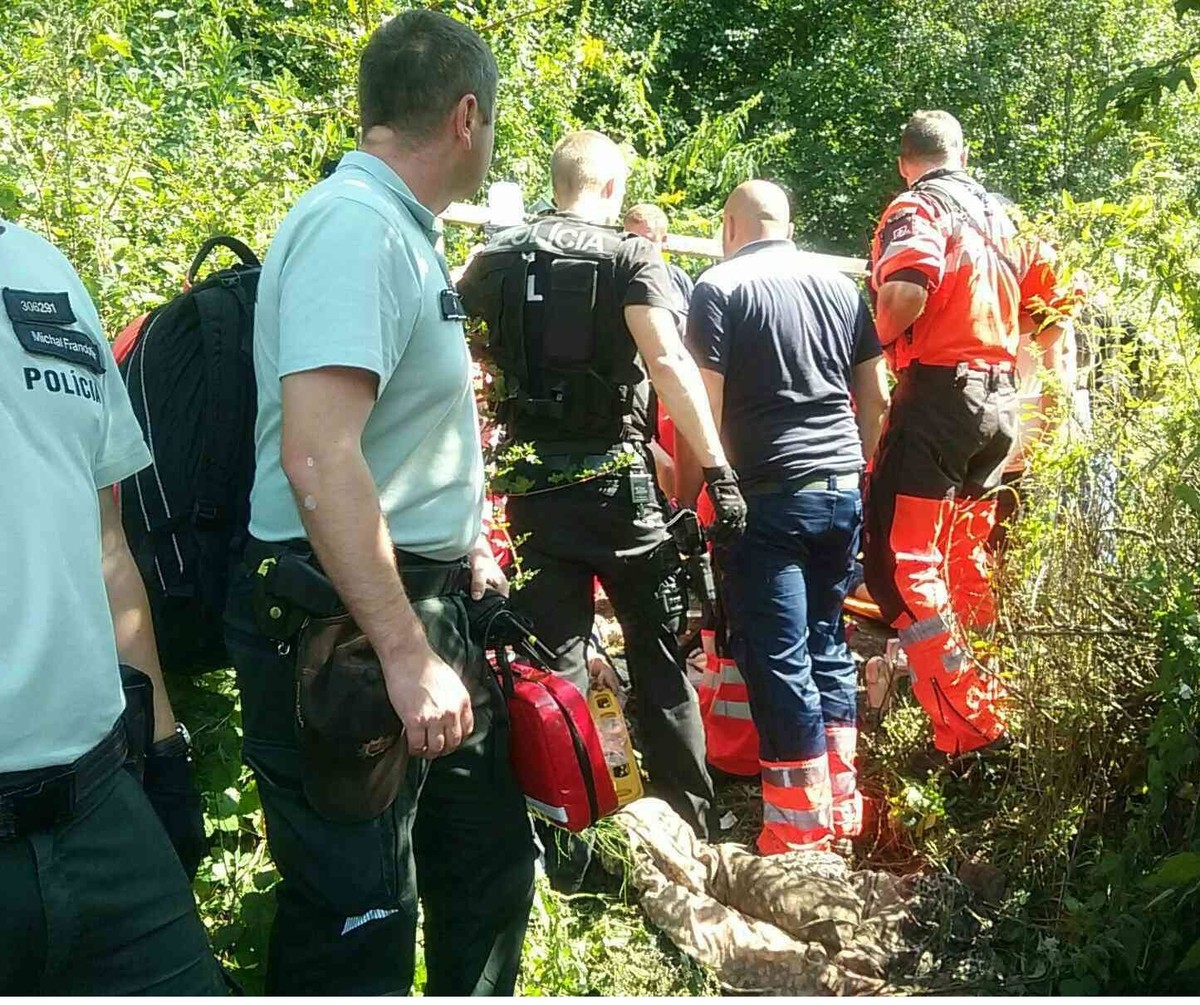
{"type": "Point", "coordinates": [66, 432]}
{"type": "Point", "coordinates": [353, 279]}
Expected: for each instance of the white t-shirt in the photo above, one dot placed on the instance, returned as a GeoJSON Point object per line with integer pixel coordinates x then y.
{"type": "Point", "coordinates": [66, 431]}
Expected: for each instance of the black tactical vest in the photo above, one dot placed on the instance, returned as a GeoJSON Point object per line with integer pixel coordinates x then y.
{"type": "Point", "coordinates": [548, 292]}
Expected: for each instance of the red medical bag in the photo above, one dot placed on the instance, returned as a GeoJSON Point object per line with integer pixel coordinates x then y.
{"type": "Point", "coordinates": [555, 749]}
{"type": "Point", "coordinates": [554, 744]}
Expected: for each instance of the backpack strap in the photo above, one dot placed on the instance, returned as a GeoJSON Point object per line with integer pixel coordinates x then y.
{"type": "Point", "coordinates": [946, 195]}
{"type": "Point", "coordinates": [247, 256]}
{"type": "Point", "coordinates": [222, 320]}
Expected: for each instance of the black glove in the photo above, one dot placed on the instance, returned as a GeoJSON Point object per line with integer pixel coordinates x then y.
{"type": "Point", "coordinates": [728, 502]}
{"type": "Point", "coordinates": [172, 793]}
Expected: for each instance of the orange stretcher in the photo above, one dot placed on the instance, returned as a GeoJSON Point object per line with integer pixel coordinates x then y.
{"type": "Point", "coordinates": [862, 608]}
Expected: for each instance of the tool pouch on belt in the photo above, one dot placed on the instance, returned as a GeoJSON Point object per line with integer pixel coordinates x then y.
{"type": "Point", "coordinates": [352, 748]}
{"type": "Point", "coordinates": [288, 590]}
{"type": "Point", "coordinates": [353, 752]}
{"type": "Point", "coordinates": [555, 747]}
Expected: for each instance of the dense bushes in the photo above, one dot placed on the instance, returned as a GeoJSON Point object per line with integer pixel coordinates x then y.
{"type": "Point", "coordinates": [132, 129]}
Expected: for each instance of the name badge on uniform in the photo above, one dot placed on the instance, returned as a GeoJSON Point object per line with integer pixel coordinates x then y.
{"type": "Point", "coordinates": [40, 320]}
{"type": "Point", "coordinates": [50, 308]}
{"type": "Point", "coordinates": [452, 307]}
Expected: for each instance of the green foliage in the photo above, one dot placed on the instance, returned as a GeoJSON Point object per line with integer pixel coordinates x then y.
{"type": "Point", "coordinates": [235, 883]}
{"type": "Point", "coordinates": [840, 79]}
{"type": "Point", "coordinates": [130, 130]}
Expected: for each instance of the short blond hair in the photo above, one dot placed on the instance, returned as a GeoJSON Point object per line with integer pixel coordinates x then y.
{"type": "Point", "coordinates": [650, 218]}
{"type": "Point", "coordinates": [582, 162]}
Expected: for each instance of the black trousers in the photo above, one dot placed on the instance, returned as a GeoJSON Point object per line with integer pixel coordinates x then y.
{"type": "Point", "coordinates": [458, 837]}
{"type": "Point", "coordinates": [593, 529]}
{"type": "Point", "coordinates": [99, 905]}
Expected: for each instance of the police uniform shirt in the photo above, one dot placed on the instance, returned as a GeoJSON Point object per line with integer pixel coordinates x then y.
{"type": "Point", "coordinates": [786, 334]}
{"type": "Point", "coordinates": [353, 279]}
{"type": "Point", "coordinates": [640, 276]}
{"type": "Point", "coordinates": [67, 431]}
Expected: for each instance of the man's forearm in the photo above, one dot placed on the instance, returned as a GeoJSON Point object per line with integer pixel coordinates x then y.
{"type": "Point", "coordinates": [677, 383]}
{"type": "Point", "coordinates": [134, 632]}
{"type": "Point", "coordinates": [133, 628]}
{"type": "Point", "coordinates": [870, 428]}
{"type": "Point", "coordinates": [339, 507]}
{"type": "Point", "coordinates": [1053, 343]}
{"type": "Point", "coordinates": [689, 478]}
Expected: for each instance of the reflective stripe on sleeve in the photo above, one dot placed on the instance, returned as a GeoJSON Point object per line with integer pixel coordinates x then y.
{"type": "Point", "coordinates": [924, 630]}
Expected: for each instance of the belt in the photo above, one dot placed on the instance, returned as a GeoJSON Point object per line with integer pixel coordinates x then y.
{"type": "Point", "coordinates": [423, 578]}
{"type": "Point", "coordinates": [817, 483]}
{"type": "Point", "coordinates": [990, 373]}
{"type": "Point", "coordinates": [45, 797]}
{"type": "Point", "coordinates": [602, 447]}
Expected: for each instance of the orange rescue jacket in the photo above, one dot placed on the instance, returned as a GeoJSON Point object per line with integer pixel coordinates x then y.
{"type": "Point", "coordinates": [948, 234]}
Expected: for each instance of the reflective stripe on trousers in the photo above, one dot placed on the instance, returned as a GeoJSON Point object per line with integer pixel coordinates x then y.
{"type": "Point", "coordinates": [797, 806]}
{"type": "Point", "coordinates": [730, 733]}
{"type": "Point", "coordinates": [841, 744]}
{"type": "Point", "coordinates": [960, 696]}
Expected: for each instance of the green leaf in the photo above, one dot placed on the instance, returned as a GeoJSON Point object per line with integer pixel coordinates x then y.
{"type": "Point", "coordinates": [115, 43]}
{"type": "Point", "coordinates": [1188, 495]}
{"type": "Point", "coordinates": [1176, 870]}
{"type": "Point", "coordinates": [1191, 959]}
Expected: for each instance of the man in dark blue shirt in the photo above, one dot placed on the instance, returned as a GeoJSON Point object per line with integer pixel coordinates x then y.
{"type": "Point", "coordinates": [788, 351]}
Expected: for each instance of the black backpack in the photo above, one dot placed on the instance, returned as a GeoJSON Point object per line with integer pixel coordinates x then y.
{"type": "Point", "coordinates": [190, 377]}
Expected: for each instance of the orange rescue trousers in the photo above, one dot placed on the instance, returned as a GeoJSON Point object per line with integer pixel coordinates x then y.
{"type": "Point", "coordinates": [930, 509]}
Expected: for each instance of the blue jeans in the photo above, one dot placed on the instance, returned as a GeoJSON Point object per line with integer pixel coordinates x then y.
{"type": "Point", "coordinates": [783, 585]}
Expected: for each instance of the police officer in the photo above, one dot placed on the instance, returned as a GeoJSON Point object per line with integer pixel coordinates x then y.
{"type": "Point", "coordinates": [951, 278]}
{"type": "Point", "coordinates": [94, 898]}
{"type": "Point", "coordinates": [369, 463]}
{"type": "Point", "coordinates": [578, 318]}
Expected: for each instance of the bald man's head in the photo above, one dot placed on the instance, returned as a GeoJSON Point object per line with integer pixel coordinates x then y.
{"type": "Point", "coordinates": [756, 211]}
{"type": "Point", "coordinates": [588, 167]}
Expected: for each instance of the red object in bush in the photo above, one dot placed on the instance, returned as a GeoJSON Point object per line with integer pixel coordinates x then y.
{"type": "Point", "coordinates": [555, 750]}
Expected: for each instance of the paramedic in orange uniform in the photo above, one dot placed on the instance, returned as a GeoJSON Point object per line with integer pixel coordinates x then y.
{"type": "Point", "coordinates": [951, 278]}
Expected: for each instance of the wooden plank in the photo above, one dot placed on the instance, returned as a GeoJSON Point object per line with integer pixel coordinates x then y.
{"type": "Point", "coordinates": [467, 215]}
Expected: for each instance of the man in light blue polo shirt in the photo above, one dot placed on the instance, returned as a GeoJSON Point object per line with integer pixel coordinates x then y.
{"type": "Point", "coordinates": [92, 898]}
{"type": "Point", "coordinates": [369, 461]}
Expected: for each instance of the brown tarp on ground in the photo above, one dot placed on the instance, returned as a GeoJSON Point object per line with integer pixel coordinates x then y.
{"type": "Point", "coordinates": [795, 924]}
